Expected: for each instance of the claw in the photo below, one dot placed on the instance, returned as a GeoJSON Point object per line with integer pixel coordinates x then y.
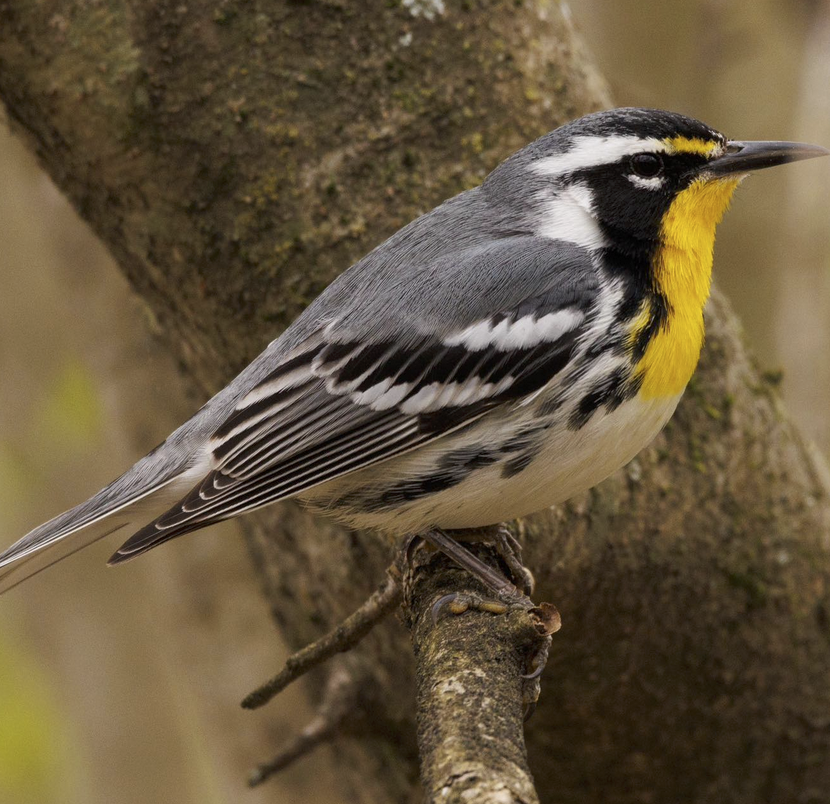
{"type": "Point", "coordinates": [439, 604]}
{"type": "Point", "coordinates": [510, 551]}
{"type": "Point", "coordinates": [535, 674]}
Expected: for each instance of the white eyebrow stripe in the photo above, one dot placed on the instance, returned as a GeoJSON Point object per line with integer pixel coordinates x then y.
{"type": "Point", "coordinates": [587, 151]}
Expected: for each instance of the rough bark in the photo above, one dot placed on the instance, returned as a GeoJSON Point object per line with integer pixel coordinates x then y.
{"type": "Point", "coordinates": [235, 156]}
{"type": "Point", "coordinates": [469, 668]}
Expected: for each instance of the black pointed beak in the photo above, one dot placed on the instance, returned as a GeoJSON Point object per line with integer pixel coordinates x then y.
{"type": "Point", "coordinates": [742, 157]}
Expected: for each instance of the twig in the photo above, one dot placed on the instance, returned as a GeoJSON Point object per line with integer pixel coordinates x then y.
{"type": "Point", "coordinates": [339, 700]}
{"type": "Point", "coordinates": [343, 638]}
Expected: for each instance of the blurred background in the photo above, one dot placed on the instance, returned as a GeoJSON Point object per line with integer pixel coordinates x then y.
{"type": "Point", "coordinates": [99, 700]}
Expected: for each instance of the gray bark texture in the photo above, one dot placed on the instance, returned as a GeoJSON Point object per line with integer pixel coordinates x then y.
{"type": "Point", "coordinates": [235, 156]}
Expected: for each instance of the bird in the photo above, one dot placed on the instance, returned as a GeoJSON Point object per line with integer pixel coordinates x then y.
{"type": "Point", "coordinates": [494, 357]}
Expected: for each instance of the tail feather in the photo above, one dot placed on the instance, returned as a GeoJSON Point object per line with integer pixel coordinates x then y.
{"type": "Point", "coordinates": [17, 566]}
{"type": "Point", "coordinates": [145, 540]}
{"type": "Point", "coordinates": [120, 504]}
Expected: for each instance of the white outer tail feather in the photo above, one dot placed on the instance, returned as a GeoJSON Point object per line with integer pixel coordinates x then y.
{"type": "Point", "coordinates": [17, 568]}
{"type": "Point", "coordinates": [63, 535]}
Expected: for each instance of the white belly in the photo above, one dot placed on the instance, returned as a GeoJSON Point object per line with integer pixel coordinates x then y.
{"type": "Point", "coordinates": [569, 461]}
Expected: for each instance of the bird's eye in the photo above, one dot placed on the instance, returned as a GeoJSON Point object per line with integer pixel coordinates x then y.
{"type": "Point", "coordinates": [647, 165]}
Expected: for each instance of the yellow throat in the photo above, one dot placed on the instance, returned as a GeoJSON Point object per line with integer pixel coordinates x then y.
{"type": "Point", "coordinates": [683, 275]}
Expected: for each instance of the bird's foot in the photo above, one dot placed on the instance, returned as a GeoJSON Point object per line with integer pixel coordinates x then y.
{"type": "Point", "coordinates": [510, 551]}
{"type": "Point", "coordinates": [511, 595]}
{"type": "Point", "coordinates": [457, 603]}
{"type": "Point", "coordinates": [546, 621]}
{"type": "Point", "coordinates": [520, 583]}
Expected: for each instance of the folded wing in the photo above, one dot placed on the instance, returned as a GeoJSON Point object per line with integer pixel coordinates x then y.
{"type": "Point", "coordinates": [342, 400]}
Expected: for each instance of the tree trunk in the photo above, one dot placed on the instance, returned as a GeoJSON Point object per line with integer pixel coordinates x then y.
{"type": "Point", "coordinates": [236, 156]}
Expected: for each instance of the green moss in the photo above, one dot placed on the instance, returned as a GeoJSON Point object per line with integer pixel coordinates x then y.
{"type": "Point", "coordinates": [712, 412]}
{"type": "Point", "coordinates": [474, 142]}
{"type": "Point", "coordinates": [34, 745]}
{"type": "Point", "coordinates": [71, 413]}
{"type": "Point", "coordinates": [773, 377]}
{"type": "Point", "coordinates": [755, 588]}
{"type": "Point", "coordinates": [224, 16]}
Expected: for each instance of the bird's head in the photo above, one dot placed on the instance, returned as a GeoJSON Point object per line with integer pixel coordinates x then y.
{"type": "Point", "coordinates": [633, 178]}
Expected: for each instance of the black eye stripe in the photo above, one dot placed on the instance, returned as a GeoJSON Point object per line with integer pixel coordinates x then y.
{"type": "Point", "coordinates": [647, 166]}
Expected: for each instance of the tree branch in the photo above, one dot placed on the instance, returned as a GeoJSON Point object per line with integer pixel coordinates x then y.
{"type": "Point", "coordinates": [469, 671]}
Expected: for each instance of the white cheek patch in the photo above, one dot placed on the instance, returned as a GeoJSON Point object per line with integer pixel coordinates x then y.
{"type": "Point", "coordinates": [650, 183]}
{"type": "Point", "coordinates": [568, 215]}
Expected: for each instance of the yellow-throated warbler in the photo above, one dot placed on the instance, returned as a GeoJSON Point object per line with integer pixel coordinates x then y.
{"type": "Point", "coordinates": [497, 355]}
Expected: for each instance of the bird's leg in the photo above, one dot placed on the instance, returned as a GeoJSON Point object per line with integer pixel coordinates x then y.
{"type": "Point", "coordinates": [510, 551]}
{"type": "Point", "coordinates": [488, 575]}
{"type": "Point", "coordinates": [389, 595]}
{"type": "Point", "coordinates": [343, 638]}
{"type": "Point", "coordinates": [507, 546]}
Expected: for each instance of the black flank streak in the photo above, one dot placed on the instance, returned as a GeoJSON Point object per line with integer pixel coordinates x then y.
{"type": "Point", "coordinates": [467, 459]}
{"type": "Point", "coordinates": [410, 490]}
{"type": "Point", "coordinates": [529, 443]}
{"type": "Point", "coordinates": [611, 343]}
{"type": "Point", "coordinates": [550, 406]}
{"type": "Point", "coordinates": [610, 391]}
{"type": "Point", "coordinates": [631, 388]}
{"type": "Point", "coordinates": [452, 469]}
{"type": "Point", "coordinates": [659, 319]}
{"type": "Point", "coordinates": [518, 464]}
{"type": "Point", "coordinates": [523, 439]}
